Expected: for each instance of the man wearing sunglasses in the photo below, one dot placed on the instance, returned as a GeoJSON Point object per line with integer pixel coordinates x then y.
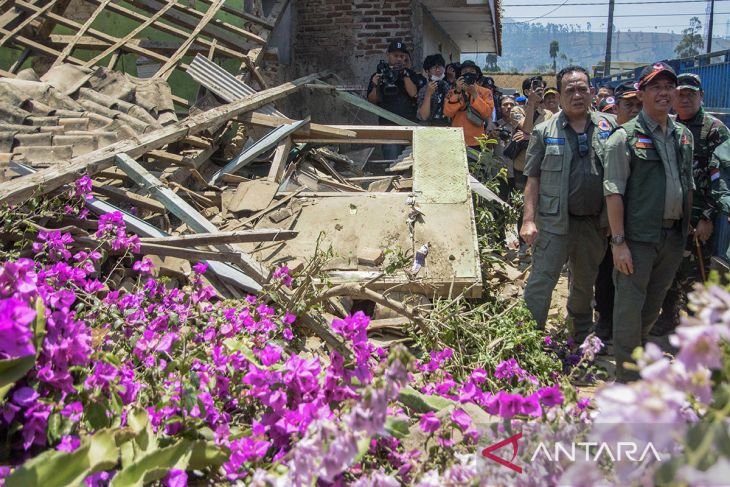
{"type": "Point", "coordinates": [564, 215]}
{"type": "Point", "coordinates": [648, 187]}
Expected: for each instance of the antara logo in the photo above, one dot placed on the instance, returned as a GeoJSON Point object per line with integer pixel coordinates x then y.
{"type": "Point", "coordinates": [591, 451]}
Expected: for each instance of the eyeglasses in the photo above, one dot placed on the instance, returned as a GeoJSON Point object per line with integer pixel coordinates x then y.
{"type": "Point", "coordinates": [583, 144]}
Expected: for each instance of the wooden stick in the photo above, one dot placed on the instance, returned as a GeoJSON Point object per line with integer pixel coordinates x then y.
{"type": "Point", "coordinates": [27, 22]}
{"type": "Point", "coordinates": [281, 155]}
{"type": "Point", "coordinates": [166, 69]}
{"type": "Point", "coordinates": [128, 37]}
{"type": "Point", "coordinates": [240, 236]}
{"type": "Point", "coordinates": [70, 46]}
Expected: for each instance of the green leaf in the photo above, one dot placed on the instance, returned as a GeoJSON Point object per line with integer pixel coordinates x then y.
{"type": "Point", "coordinates": [422, 403]}
{"type": "Point", "coordinates": [96, 415]}
{"type": "Point", "coordinates": [56, 468]}
{"type": "Point", "coordinates": [207, 454]}
{"type": "Point", "coordinates": [363, 445]}
{"type": "Point", "coordinates": [396, 427]}
{"type": "Point", "coordinates": [154, 465]}
{"type": "Point", "coordinates": [15, 368]}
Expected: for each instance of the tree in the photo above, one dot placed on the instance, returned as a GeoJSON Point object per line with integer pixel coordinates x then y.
{"type": "Point", "coordinates": [491, 64]}
{"type": "Point", "coordinates": [692, 42]}
{"type": "Point", "coordinates": [554, 49]}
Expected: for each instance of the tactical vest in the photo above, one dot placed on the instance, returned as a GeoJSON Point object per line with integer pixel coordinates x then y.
{"type": "Point", "coordinates": [552, 207]}
{"type": "Point", "coordinates": [645, 188]}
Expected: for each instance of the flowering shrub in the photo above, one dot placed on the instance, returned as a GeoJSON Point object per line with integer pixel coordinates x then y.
{"type": "Point", "coordinates": [158, 383]}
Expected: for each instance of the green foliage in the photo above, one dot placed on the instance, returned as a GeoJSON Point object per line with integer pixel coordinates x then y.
{"type": "Point", "coordinates": [554, 49]}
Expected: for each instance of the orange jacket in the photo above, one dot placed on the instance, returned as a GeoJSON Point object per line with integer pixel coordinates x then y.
{"type": "Point", "coordinates": [455, 109]}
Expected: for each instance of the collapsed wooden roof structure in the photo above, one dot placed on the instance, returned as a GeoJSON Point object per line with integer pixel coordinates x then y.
{"type": "Point", "coordinates": [269, 196]}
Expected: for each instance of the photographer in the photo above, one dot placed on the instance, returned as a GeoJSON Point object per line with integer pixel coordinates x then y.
{"type": "Point", "coordinates": [393, 88]}
{"type": "Point", "coordinates": [453, 71]}
{"type": "Point", "coordinates": [524, 118]}
{"type": "Point", "coordinates": [432, 96]}
{"type": "Point", "coordinates": [469, 105]}
{"type": "Point", "coordinates": [502, 132]}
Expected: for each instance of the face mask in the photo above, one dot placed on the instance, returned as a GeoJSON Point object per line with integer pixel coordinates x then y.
{"type": "Point", "coordinates": [436, 77]}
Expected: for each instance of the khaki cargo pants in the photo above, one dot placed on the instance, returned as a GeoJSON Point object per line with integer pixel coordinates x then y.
{"type": "Point", "coordinates": [583, 248]}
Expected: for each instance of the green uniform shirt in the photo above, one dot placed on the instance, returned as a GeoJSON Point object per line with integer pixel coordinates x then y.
{"type": "Point", "coordinates": [618, 170]}
{"type": "Point", "coordinates": [720, 176]}
{"type": "Point", "coordinates": [708, 133]}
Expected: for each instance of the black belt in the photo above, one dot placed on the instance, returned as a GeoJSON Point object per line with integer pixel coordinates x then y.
{"type": "Point", "coordinates": [670, 223]}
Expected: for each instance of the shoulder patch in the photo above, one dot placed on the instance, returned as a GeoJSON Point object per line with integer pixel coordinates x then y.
{"type": "Point", "coordinates": [604, 125]}
{"type": "Point", "coordinates": [643, 142]}
{"type": "Point", "coordinates": [684, 140]}
{"type": "Point", "coordinates": [555, 140]}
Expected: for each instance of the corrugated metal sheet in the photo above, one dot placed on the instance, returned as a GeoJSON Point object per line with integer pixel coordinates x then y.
{"type": "Point", "coordinates": [223, 83]}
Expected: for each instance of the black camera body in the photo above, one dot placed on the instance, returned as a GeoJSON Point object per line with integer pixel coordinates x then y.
{"type": "Point", "coordinates": [438, 117]}
{"type": "Point", "coordinates": [505, 134]}
{"type": "Point", "coordinates": [470, 78]}
{"type": "Point", "coordinates": [388, 78]}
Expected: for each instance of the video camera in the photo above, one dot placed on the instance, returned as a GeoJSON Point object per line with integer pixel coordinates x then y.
{"type": "Point", "coordinates": [505, 134]}
{"type": "Point", "coordinates": [388, 78]}
{"type": "Point", "coordinates": [438, 117]}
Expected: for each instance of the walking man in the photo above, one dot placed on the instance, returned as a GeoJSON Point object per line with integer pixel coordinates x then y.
{"type": "Point", "coordinates": [648, 187]}
{"type": "Point", "coordinates": [708, 133]}
{"type": "Point", "coordinates": [564, 215]}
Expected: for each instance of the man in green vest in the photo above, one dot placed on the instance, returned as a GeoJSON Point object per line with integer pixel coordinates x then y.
{"type": "Point", "coordinates": [648, 187]}
{"type": "Point", "coordinates": [708, 133]}
{"type": "Point", "coordinates": [564, 216]}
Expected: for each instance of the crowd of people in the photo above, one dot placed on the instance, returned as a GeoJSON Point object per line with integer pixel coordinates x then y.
{"type": "Point", "coordinates": [623, 184]}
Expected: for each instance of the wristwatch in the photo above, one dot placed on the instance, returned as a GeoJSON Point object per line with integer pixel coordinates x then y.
{"type": "Point", "coordinates": [617, 239]}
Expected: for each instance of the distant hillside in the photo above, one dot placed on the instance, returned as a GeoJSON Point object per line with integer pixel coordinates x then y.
{"type": "Point", "coordinates": [526, 46]}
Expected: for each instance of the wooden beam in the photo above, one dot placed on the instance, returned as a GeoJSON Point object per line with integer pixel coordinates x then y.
{"type": "Point", "coordinates": [26, 22]}
{"type": "Point", "coordinates": [128, 37]}
{"type": "Point", "coordinates": [130, 47]}
{"type": "Point", "coordinates": [241, 236]}
{"type": "Point", "coordinates": [281, 156]}
{"type": "Point", "coordinates": [172, 30]}
{"type": "Point", "coordinates": [189, 18]}
{"type": "Point", "coordinates": [186, 213]}
{"type": "Point", "coordinates": [245, 16]}
{"type": "Point", "coordinates": [126, 196]}
{"type": "Point", "coordinates": [315, 129]}
{"type": "Point", "coordinates": [82, 30]}
{"type": "Point", "coordinates": [366, 105]}
{"type": "Point", "coordinates": [166, 69]}
{"type": "Point", "coordinates": [190, 253]}
{"type": "Point", "coordinates": [17, 190]}
{"type": "Point", "coordinates": [329, 141]}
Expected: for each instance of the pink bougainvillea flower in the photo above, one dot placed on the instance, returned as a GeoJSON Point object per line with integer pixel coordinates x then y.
{"type": "Point", "coordinates": [461, 418]}
{"type": "Point", "coordinates": [429, 422]}
{"type": "Point", "coordinates": [16, 337]}
{"type": "Point", "coordinates": [200, 268]}
{"type": "Point", "coordinates": [68, 443]}
{"type": "Point", "coordinates": [550, 396]}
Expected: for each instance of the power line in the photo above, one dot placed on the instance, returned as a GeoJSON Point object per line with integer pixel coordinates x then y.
{"type": "Point", "coordinates": [602, 16]}
{"type": "Point", "coordinates": [645, 2]}
{"type": "Point", "coordinates": [543, 15]}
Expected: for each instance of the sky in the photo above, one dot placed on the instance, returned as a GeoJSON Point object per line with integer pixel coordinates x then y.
{"type": "Point", "coordinates": [637, 15]}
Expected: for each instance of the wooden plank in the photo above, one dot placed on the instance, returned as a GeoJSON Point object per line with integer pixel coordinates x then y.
{"type": "Point", "coordinates": [19, 189]}
{"type": "Point", "coordinates": [82, 30]}
{"type": "Point", "coordinates": [366, 105]}
{"type": "Point", "coordinates": [121, 42]}
{"type": "Point", "coordinates": [240, 236]}
{"type": "Point", "coordinates": [259, 147]}
{"type": "Point", "coordinates": [245, 16]}
{"type": "Point", "coordinates": [315, 129]}
{"type": "Point", "coordinates": [303, 139]}
{"type": "Point", "coordinates": [35, 46]}
{"type": "Point", "coordinates": [167, 68]}
{"type": "Point", "coordinates": [130, 47]}
{"type": "Point", "coordinates": [281, 155]}
{"type": "Point", "coordinates": [188, 253]}
{"type": "Point", "coordinates": [186, 213]}
{"type": "Point", "coordinates": [171, 29]}
{"type": "Point", "coordinates": [189, 18]}
{"type": "Point", "coordinates": [127, 196]}
{"type": "Point", "coordinates": [26, 22]}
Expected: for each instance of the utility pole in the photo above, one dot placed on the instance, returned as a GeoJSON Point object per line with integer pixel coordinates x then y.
{"type": "Point", "coordinates": [609, 33]}
{"type": "Point", "coordinates": [709, 27]}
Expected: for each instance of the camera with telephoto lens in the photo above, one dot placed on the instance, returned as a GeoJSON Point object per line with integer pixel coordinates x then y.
{"type": "Point", "coordinates": [388, 78]}
{"type": "Point", "coordinates": [469, 78]}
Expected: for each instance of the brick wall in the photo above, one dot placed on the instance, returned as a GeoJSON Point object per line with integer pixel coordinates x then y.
{"type": "Point", "coordinates": [349, 36]}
